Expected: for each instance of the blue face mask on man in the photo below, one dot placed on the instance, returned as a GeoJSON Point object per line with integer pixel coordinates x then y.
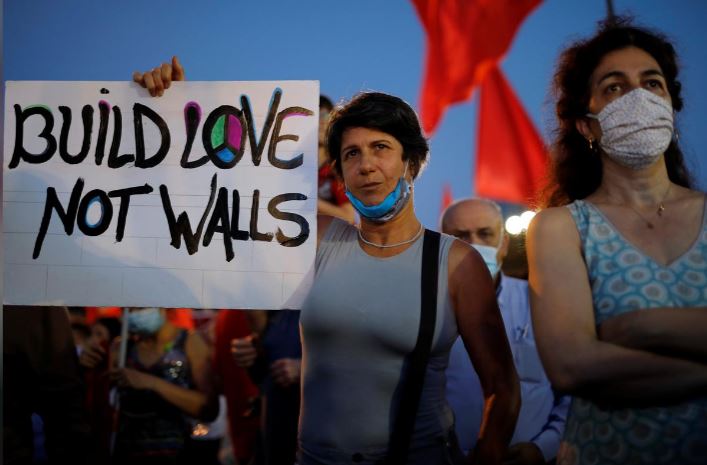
{"type": "Point", "coordinates": [489, 254]}
{"type": "Point", "coordinates": [389, 207]}
{"type": "Point", "coordinates": [145, 321]}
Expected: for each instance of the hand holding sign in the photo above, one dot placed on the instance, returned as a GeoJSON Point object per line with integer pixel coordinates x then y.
{"type": "Point", "coordinates": [160, 78]}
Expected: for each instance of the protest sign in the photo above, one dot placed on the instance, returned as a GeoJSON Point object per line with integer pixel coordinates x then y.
{"type": "Point", "coordinates": [203, 198]}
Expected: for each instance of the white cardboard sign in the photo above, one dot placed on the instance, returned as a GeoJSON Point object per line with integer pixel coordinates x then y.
{"type": "Point", "coordinates": [203, 198]}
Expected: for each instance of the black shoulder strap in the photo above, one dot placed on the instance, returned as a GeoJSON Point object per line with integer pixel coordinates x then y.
{"type": "Point", "coordinates": [414, 377]}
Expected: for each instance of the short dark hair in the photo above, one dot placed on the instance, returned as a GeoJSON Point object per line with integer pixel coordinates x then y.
{"type": "Point", "coordinates": [382, 112]}
{"type": "Point", "coordinates": [576, 170]}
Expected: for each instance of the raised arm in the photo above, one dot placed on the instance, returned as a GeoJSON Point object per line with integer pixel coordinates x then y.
{"type": "Point", "coordinates": [575, 360]}
{"type": "Point", "coordinates": [677, 332]}
{"type": "Point", "coordinates": [481, 328]}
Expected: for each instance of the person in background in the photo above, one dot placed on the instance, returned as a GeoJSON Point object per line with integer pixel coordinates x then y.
{"type": "Point", "coordinates": [331, 194]}
{"type": "Point", "coordinates": [165, 384]}
{"type": "Point", "coordinates": [80, 327]}
{"type": "Point", "coordinates": [242, 395]}
{"type": "Point", "coordinates": [273, 357]}
{"type": "Point", "coordinates": [209, 443]}
{"type": "Point", "coordinates": [618, 263]}
{"type": "Point", "coordinates": [541, 421]}
{"type": "Point", "coordinates": [41, 376]}
{"type": "Point", "coordinates": [102, 335]}
{"type": "Point", "coordinates": [95, 365]}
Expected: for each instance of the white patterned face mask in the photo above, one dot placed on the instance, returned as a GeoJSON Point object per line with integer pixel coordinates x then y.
{"type": "Point", "coordinates": [636, 128]}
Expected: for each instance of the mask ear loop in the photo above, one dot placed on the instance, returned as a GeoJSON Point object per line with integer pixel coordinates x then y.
{"type": "Point", "coordinates": [405, 172]}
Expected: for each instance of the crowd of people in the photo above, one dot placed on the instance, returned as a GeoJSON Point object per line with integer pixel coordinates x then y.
{"type": "Point", "coordinates": [414, 347]}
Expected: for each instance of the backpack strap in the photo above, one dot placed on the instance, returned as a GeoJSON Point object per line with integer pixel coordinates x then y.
{"type": "Point", "coordinates": [414, 374]}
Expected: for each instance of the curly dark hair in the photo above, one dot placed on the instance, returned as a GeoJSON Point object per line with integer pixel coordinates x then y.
{"type": "Point", "coordinates": [576, 170]}
{"type": "Point", "coordinates": [382, 112]}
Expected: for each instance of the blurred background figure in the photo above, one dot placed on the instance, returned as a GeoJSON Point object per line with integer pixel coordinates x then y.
{"type": "Point", "coordinates": [95, 364]}
{"type": "Point", "coordinates": [209, 443]}
{"type": "Point", "coordinates": [541, 421]}
{"type": "Point", "coordinates": [41, 376]}
{"type": "Point", "coordinates": [80, 327]}
{"type": "Point", "coordinates": [241, 393]}
{"type": "Point", "coordinates": [332, 199]}
{"type": "Point", "coordinates": [272, 353]}
{"type": "Point", "coordinates": [164, 387]}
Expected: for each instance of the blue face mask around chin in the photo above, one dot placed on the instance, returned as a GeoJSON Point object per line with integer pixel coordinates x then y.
{"type": "Point", "coordinates": [147, 321]}
{"type": "Point", "coordinates": [391, 205]}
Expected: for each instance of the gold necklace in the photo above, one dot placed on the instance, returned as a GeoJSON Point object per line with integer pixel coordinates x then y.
{"type": "Point", "coordinates": [659, 210]}
{"type": "Point", "coordinates": [397, 244]}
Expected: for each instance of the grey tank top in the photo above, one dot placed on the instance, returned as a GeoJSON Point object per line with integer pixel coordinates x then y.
{"type": "Point", "coordinates": [359, 321]}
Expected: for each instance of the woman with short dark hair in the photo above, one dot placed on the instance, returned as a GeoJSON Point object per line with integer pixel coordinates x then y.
{"type": "Point", "coordinates": [362, 318]}
{"type": "Point", "coordinates": [618, 266]}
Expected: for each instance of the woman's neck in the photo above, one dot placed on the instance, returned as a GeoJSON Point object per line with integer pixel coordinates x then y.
{"type": "Point", "coordinates": [644, 188]}
{"type": "Point", "coordinates": [402, 227]}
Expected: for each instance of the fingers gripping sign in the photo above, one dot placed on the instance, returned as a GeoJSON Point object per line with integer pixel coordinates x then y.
{"type": "Point", "coordinates": [160, 78]}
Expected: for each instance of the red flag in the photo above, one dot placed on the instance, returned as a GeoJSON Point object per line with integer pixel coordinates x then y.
{"type": "Point", "coordinates": [510, 155]}
{"type": "Point", "coordinates": [465, 38]}
{"type": "Point", "coordinates": [447, 197]}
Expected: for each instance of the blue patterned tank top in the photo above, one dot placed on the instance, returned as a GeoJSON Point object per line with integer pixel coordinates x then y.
{"type": "Point", "coordinates": [624, 279]}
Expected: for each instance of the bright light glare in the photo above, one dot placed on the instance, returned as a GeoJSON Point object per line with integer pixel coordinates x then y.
{"type": "Point", "coordinates": [514, 224]}
{"type": "Point", "coordinates": [526, 216]}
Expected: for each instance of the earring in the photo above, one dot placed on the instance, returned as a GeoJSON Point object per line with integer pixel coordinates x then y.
{"type": "Point", "coordinates": [591, 144]}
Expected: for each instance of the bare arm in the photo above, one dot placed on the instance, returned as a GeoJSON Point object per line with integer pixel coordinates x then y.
{"type": "Point", "coordinates": [344, 211]}
{"type": "Point", "coordinates": [677, 332]}
{"type": "Point", "coordinates": [575, 360]}
{"type": "Point", "coordinates": [481, 328]}
{"type": "Point", "coordinates": [198, 402]}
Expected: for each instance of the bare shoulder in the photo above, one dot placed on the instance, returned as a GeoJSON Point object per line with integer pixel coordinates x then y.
{"type": "Point", "coordinates": [466, 269]}
{"type": "Point", "coordinates": [551, 225]}
{"type": "Point", "coordinates": [462, 256]}
{"type": "Point", "coordinates": [555, 256]}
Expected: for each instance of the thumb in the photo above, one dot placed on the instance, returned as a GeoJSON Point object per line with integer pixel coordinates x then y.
{"type": "Point", "coordinates": [177, 70]}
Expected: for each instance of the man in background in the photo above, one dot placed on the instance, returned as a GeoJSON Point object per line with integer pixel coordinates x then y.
{"type": "Point", "coordinates": [541, 421]}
